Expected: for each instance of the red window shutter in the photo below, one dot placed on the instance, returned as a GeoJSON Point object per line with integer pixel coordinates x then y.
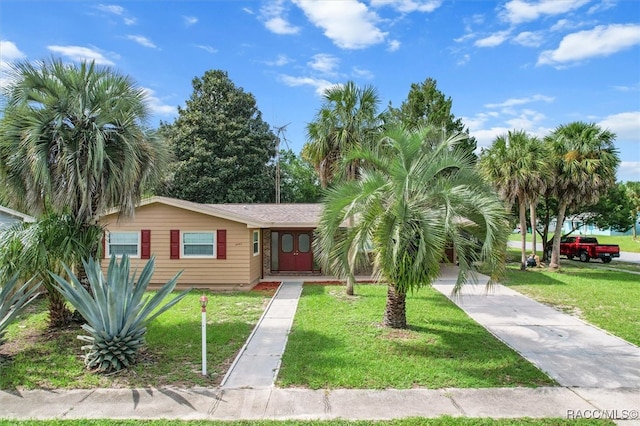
{"type": "Point", "coordinates": [221, 240]}
{"type": "Point", "coordinates": [175, 244]}
{"type": "Point", "coordinates": [145, 244]}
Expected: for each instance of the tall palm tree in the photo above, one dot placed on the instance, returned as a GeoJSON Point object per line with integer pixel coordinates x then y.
{"type": "Point", "coordinates": [74, 139]}
{"type": "Point", "coordinates": [517, 166]}
{"type": "Point", "coordinates": [347, 119]}
{"type": "Point", "coordinates": [411, 202]}
{"type": "Point", "coordinates": [584, 167]}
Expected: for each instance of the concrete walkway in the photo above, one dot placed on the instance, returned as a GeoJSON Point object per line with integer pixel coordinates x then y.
{"type": "Point", "coordinates": [258, 362]}
{"type": "Point", "coordinates": [599, 374]}
{"type": "Point", "coordinates": [569, 350]}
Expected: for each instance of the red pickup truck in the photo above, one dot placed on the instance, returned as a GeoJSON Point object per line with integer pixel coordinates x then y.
{"type": "Point", "coordinates": [585, 248]}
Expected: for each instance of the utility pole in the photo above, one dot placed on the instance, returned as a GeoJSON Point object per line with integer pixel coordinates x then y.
{"type": "Point", "coordinates": [279, 133]}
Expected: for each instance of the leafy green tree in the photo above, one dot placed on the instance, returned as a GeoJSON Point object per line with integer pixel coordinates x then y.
{"type": "Point", "coordinates": [633, 193]}
{"type": "Point", "coordinates": [298, 180]}
{"type": "Point", "coordinates": [348, 119]}
{"type": "Point", "coordinates": [426, 105]}
{"type": "Point", "coordinates": [613, 210]}
{"type": "Point", "coordinates": [584, 162]}
{"type": "Point", "coordinates": [413, 200]}
{"type": "Point", "coordinates": [223, 150]}
{"type": "Point", "coordinates": [35, 249]}
{"type": "Point", "coordinates": [516, 164]}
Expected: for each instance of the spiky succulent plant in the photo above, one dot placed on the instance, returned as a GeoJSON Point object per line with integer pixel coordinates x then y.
{"type": "Point", "coordinates": [13, 298]}
{"type": "Point", "coordinates": [118, 313]}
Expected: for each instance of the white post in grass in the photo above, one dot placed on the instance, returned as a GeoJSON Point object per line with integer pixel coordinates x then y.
{"type": "Point", "coordinates": [203, 303]}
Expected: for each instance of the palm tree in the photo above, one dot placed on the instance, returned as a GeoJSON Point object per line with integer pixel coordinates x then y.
{"type": "Point", "coordinates": [517, 166]}
{"type": "Point", "coordinates": [348, 119]}
{"type": "Point", "coordinates": [411, 202]}
{"type": "Point", "coordinates": [74, 140]}
{"type": "Point", "coordinates": [584, 167]}
{"type": "Point", "coordinates": [35, 249]}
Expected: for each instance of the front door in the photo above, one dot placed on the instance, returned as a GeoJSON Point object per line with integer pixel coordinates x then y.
{"type": "Point", "coordinates": [295, 251]}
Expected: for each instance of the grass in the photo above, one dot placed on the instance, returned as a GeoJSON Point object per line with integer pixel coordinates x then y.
{"type": "Point", "coordinates": [36, 357]}
{"type": "Point", "coordinates": [440, 421]}
{"type": "Point", "coordinates": [626, 242]}
{"type": "Point", "coordinates": [337, 342]}
{"type": "Point", "coordinates": [606, 298]}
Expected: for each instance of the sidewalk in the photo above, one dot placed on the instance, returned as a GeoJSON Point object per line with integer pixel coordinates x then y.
{"type": "Point", "coordinates": [599, 376]}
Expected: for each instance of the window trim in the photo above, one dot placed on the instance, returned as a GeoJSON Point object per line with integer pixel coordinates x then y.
{"type": "Point", "coordinates": [138, 244]}
{"type": "Point", "coordinates": [199, 256]}
{"type": "Point", "coordinates": [255, 243]}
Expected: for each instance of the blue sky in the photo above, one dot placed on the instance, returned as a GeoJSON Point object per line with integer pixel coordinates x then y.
{"type": "Point", "coordinates": [516, 64]}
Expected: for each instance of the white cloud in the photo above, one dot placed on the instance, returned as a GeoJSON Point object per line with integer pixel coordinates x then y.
{"type": "Point", "coordinates": [10, 53]}
{"type": "Point", "coordinates": [142, 40]}
{"type": "Point", "coordinates": [632, 88]}
{"type": "Point", "coordinates": [118, 11]}
{"type": "Point", "coordinates": [207, 48]}
{"type": "Point", "coordinates": [600, 41]}
{"type": "Point", "coordinates": [393, 45]}
{"type": "Point", "coordinates": [156, 105]}
{"type": "Point", "coordinates": [521, 101]}
{"type": "Point", "coordinates": [519, 11]}
{"type": "Point", "coordinates": [493, 40]}
{"type": "Point", "coordinates": [360, 73]}
{"type": "Point", "coordinates": [320, 85]}
{"type": "Point", "coordinates": [324, 63]}
{"type": "Point", "coordinates": [529, 39]}
{"type": "Point", "coordinates": [348, 23]}
{"type": "Point", "coordinates": [602, 6]}
{"type": "Point", "coordinates": [111, 8]}
{"type": "Point", "coordinates": [464, 59]}
{"type": "Point", "coordinates": [275, 20]}
{"type": "Point", "coordinates": [79, 53]}
{"type": "Point", "coordinates": [628, 171]}
{"type": "Point", "coordinates": [247, 11]}
{"type": "Point", "coordinates": [189, 20]}
{"type": "Point", "coordinates": [408, 6]}
{"type": "Point", "coordinates": [280, 61]}
{"type": "Point", "coordinates": [626, 125]}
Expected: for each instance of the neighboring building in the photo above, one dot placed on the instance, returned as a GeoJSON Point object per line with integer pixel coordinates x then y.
{"type": "Point", "coordinates": [577, 222]}
{"type": "Point", "coordinates": [221, 246]}
{"type": "Point", "coordinates": [8, 217]}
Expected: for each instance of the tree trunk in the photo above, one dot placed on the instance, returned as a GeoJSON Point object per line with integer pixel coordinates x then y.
{"type": "Point", "coordinates": [395, 313]}
{"type": "Point", "coordinates": [554, 263]}
{"type": "Point", "coordinates": [350, 285]}
{"type": "Point", "coordinates": [534, 228]}
{"type": "Point", "coordinates": [522, 206]}
{"type": "Point", "coordinates": [59, 314]}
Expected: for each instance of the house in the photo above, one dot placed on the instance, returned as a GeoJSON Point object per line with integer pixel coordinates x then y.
{"type": "Point", "coordinates": [8, 217]}
{"type": "Point", "coordinates": [221, 246]}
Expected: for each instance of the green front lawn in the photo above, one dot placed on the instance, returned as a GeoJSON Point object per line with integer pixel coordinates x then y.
{"type": "Point", "coordinates": [35, 357]}
{"type": "Point", "coordinates": [337, 342]}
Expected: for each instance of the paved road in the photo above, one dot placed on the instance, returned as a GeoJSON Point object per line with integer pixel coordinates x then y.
{"type": "Point", "coordinates": [625, 256]}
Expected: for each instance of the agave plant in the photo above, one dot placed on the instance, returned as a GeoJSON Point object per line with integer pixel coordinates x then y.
{"type": "Point", "coordinates": [118, 313]}
{"type": "Point", "coordinates": [13, 298]}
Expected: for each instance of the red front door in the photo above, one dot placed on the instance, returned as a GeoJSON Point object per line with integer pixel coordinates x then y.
{"type": "Point", "coordinates": [295, 251]}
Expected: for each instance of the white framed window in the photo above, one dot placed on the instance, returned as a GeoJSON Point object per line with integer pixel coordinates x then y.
{"type": "Point", "coordinates": [198, 244]}
{"type": "Point", "coordinates": [121, 243]}
{"type": "Point", "coordinates": [256, 242]}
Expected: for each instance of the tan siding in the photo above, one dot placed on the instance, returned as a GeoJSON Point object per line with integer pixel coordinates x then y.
{"type": "Point", "coordinates": [255, 261]}
{"type": "Point", "coordinates": [236, 270]}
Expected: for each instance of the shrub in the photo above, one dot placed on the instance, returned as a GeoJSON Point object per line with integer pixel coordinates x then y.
{"type": "Point", "coordinates": [117, 314]}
